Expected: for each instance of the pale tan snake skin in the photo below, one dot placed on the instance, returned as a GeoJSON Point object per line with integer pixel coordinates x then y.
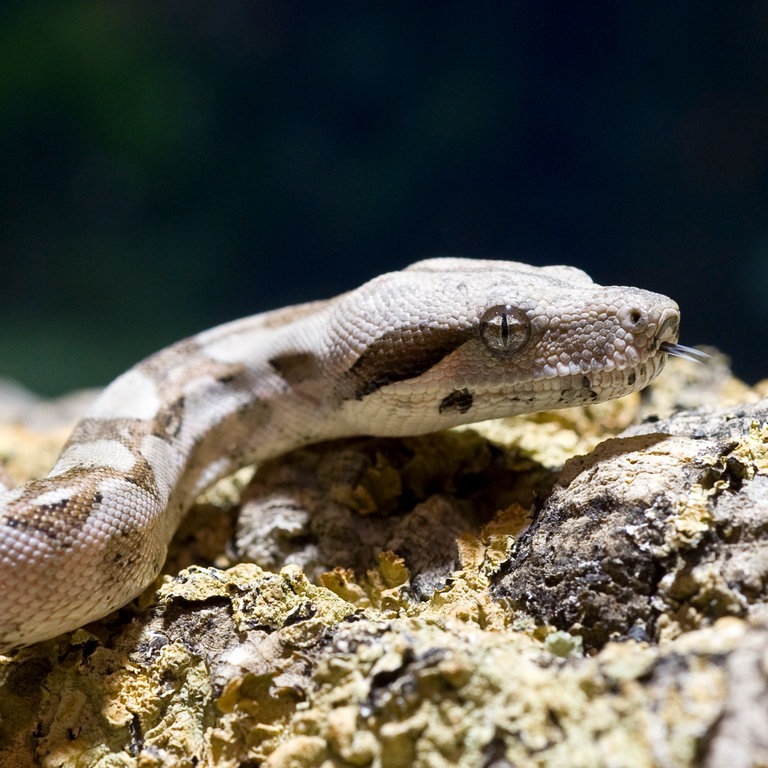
{"type": "Point", "coordinates": [441, 343]}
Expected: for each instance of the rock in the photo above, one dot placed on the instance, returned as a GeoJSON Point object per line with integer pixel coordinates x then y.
{"type": "Point", "coordinates": [582, 588]}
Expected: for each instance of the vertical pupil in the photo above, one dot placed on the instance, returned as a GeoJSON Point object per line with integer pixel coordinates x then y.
{"type": "Point", "coordinates": [504, 329]}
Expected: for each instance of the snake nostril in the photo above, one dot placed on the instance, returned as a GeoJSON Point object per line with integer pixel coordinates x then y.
{"type": "Point", "coordinates": [633, 319]}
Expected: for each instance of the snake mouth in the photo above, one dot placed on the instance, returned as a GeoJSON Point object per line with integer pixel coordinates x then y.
{"type": "Point", "coordinates": [685, 353]}
{"type": "Point", "coordinates": [667, 336]}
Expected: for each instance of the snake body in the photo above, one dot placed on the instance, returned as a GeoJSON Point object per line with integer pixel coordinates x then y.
{"type": "Point", "coordinates": [441, 343]}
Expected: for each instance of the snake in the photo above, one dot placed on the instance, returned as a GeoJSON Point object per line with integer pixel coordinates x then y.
{"type": "Point", "coordinates": [443, 342]}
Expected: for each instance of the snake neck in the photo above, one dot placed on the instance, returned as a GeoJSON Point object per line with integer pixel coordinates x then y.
{"type": "Point", "coordinates": [201, 409]}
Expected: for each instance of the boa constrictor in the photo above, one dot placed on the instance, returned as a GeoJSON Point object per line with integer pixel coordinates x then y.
{"type": "Point", "coordinates": [441, 343]}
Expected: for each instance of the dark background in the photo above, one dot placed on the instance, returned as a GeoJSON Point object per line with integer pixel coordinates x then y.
{"type": "Point", "coordinates": [165, 166]}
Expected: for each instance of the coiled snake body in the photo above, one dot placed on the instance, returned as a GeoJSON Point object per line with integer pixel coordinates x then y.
{"type": "Point", "coordinates": [441, 343]}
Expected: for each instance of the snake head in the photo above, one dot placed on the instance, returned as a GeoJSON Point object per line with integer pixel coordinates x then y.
{"type": "Point", "coordinates": [453, 341]}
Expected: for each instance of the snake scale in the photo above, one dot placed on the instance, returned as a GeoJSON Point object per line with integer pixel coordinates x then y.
{"type": "Point", "coordinates": [444, 342]}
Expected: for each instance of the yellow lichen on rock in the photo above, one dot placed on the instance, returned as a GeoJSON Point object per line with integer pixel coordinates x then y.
{"type": "Point", "coordinates": [461, 599]}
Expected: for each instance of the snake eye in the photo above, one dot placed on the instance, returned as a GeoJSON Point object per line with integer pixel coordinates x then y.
{"type": "Point", "coordinates": [505, 329]}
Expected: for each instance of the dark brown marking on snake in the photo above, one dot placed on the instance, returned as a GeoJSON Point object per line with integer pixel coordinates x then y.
{"type": "Point", "coordinates": [169, 419]}
{"type": "Point", "coordinates": [242, 428]}
{"type": "Point", "coordinates": [632, 378]}
{"type": "Point", "coordinates": [120, 430]}
{"type": "Point", "coordinates": [576, 396]}
{"type": "Point", "coordinates": [459, 400]}
{"type": "Point", "coordinates": [60, 521]}
{"type": "Point", "coordinates": [143, 476]}
{"type": "Point", "coordinates": [160, 366]}
{"type": "Point", "coordinates": [296, 367]}
{"type": "Point", "coordinates": [587, 386]}
{"type": "Point", "coordinates": [401, 355]}
{"type": "Point", "coordinates": [126, 432]}
{"type": "Point", "coordinates": [55, 506]}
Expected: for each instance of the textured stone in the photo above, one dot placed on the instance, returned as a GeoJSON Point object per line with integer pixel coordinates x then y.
{"type": "Point", "coordinates": [542, 591]}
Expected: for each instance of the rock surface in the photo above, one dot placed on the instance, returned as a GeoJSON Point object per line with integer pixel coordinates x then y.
{"type": "Point", "coordinates": [583, 588]}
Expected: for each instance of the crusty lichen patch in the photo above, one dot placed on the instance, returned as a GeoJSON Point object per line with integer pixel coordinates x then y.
{"type": "Point", "coordinates": [405, 693]}
{"type": "Point", "coordinates": [537, 592]}
{"type": "Point", "coordinates": [651, 534]}
{"type": "Point", "coordinates": [210, 671]}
